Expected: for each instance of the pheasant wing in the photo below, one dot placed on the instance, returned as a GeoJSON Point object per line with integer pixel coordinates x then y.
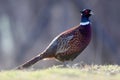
{"type": "Point", "coordinates": [59, 45]}
{"type": "Point", "coordinates": [63, 44]}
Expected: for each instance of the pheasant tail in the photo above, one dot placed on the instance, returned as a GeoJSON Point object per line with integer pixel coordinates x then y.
{"type": "Point", "coordinates": [30, 62]}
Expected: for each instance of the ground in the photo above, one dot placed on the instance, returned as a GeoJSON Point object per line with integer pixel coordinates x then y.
{"type": "Point", "coordinates": [86, 72]}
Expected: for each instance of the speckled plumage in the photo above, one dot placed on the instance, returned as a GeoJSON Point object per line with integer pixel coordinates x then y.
{"type": "Point", "coordinates": [67, 45]}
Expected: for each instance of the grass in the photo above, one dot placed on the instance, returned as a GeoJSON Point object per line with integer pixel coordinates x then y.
{"type": "Point", "coordinates": [87, 72]}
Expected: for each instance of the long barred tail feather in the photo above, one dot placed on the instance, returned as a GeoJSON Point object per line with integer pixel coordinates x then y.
{"type": "Point", "coordinates": [30, 62]}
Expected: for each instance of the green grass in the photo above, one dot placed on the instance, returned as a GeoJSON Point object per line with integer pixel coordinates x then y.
{"type": "Point", "coordinates": [110, 72]}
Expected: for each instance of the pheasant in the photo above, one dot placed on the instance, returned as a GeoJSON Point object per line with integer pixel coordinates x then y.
{"type": "Point", "coordinates": [67, 45]}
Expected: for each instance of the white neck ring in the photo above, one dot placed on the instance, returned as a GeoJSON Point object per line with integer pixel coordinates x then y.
{"type": "Point", "coordinates": [85, 23]}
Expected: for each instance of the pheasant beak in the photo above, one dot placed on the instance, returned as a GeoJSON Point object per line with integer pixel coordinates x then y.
{"type": "Point", "coordinates": [91, 13]}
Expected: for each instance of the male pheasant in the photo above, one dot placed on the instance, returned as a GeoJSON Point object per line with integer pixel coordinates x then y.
{"type": "Point", "coordinates": [67, 45]}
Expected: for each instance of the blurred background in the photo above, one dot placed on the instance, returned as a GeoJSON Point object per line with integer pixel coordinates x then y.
{"type": "Point", "coordinates": [28, 26]}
